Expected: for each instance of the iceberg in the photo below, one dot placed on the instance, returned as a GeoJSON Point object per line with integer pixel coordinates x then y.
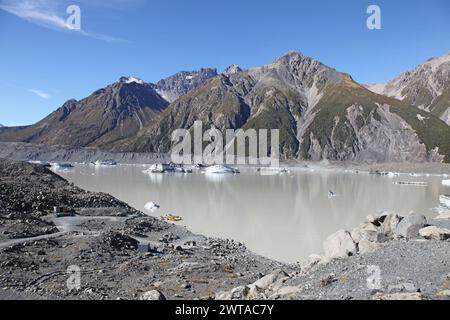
{"type": "Point", "coordinates": [411, 183]}
{"type": "Point", "coordinates": [272, 170]}
{"type": "Point", "coordinates": [220, 169]}
{"type": "Point", "coordinates": [42, 163]}
{"type": "Point", "coordinates": [446, 183]}
{"type": "Point", "coordinates": [445, 200]}
{"type": "Point", "coordinates": [61, 166]}
{"type": "Point", "coordinates": [151, 206]}
{"type": "Point", "coordinates": [105, 163]}
{"type": "Point", "coordinates": [167, 167]}
{"type": "Point", "coordinates": [393, 174]}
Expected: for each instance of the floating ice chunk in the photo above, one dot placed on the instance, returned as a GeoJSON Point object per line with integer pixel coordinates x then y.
{"type": "Point", "coordinates": [445, 200]}
{"type": "Point", "coordinates": [220, 169]}
{"type": "Point", "coordinates": [151, 206]}
{"type": "Point", "coordinates": [61, 166]}
{"type": "Point", "coordinates": [167, 168]}
{"type": "Point", "coordinates": [42, 163]}
{"type": "Point", "coordinates": [105, 163]}
{"type": "Point", "coordinates": [411, 183]}
{"type": "Point", "coordinates": [392, 174]}
{"type": "Point", "coordinates": [446, 183]}
{"type": "Point", "coordinates": [268, 171]}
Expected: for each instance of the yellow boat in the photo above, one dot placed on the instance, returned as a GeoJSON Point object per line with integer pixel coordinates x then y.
{"type": "Point", "coordinates": [171, 218]}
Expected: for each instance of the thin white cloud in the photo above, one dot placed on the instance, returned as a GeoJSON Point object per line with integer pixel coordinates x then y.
{"type": "Point", "coordinates": [40, 93]}
{"type": "Point", "coordinates": [49, 14]}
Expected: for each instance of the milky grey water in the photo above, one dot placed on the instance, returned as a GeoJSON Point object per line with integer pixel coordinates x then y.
{"type": "Point", "coordinates": [285, 217]}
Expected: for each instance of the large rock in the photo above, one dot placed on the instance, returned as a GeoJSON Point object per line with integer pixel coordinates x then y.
{"type": "Point", "coordinates": [312, 260]}
{"type": "Point", "coordinates": [152, 295]}
{"type": "Point", "coordinates": [435, 233]}
{"type": "Point", "coordinates": [266, 281]}
{"type": "Point", "coordinates": [410, 226]}
{"type": "Point", "coordinates": [339, 245]}
{"type": "Point", "coordinates": [377, 218]}
{"type": "Point", "coordinates": [389, 225]}
{"type": "Point", "coordinates": [367, 231]}
{"type": "Point", "coordinates": [239, 293]}
{"type": "Point", "coordinates": [365, 246]}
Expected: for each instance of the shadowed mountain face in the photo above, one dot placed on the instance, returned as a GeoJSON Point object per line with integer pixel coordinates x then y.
{"type": "Point", "coordinates": [426, 86]}
{"type": "Point", "coordinates": [321, 114]}
{"type": "Point", "coordinates": [111, 114]}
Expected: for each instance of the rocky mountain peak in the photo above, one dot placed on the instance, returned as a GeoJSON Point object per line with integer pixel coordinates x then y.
{"type": "Point", "coordinates": [232, 69]}
{"type": "Point", "coordinates": [182, 82]}
{"type": "Point", "coordinates": [131, 79]}
{"type": "Point", "coordinates": [290, 56]}
{"type": "Point", "coordinates": [426, 86]}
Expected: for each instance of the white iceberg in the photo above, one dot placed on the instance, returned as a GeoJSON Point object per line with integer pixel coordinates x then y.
{"type": "Point", "coordinates": [183, 170]}
{"type": "Point", "coordinates": [42, 163]}
{"type": "Point", "coordinates": [393, 174]}
{"type": "Point", "coordinates": [105, 163]}
{"type": "Point", "coordinates": [446, 183]}
{"type": "Point", "coordinates": [445, 200]}
{"type": "Point", "coordinates": [151, 206]}
{"type": "Point", "coordinates": [61, 166]}
{"type": "Point", "coordinates": [411, 183]}
{"type": "Point", "coordinates": [272, 170]}
{"type": "Point", "coordinates": [167, 168]}
{"type": "Point", "coordinates": [220, 169]}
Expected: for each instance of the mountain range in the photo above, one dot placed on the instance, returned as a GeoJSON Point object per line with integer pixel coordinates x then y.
{"type": "Point", "coordinates": [321, 113]}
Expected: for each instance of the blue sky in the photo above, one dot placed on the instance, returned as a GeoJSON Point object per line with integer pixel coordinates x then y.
{"type": "Point", "coordinates": [44, 64]}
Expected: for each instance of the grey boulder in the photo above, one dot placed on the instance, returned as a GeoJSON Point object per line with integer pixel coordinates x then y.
{"type": "Point", "coordinates": [339, 245]}
{"type": "Point", "coordinates": [436, 233]}
{"type": "Point", "coordinates": [152, 295]}
{"type": "Point", "coordinates": [410, 226]}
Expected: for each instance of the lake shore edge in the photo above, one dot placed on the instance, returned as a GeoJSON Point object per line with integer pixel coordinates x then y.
{"type": "Point", "coordinates": [195, 266]}
{"type": "Point", "coordinates": [38, 152]}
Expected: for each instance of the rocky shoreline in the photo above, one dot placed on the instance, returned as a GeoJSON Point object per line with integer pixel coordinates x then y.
{"type": "Point", "coordinates": [123, 254]}
{"type": "Point", "coordinates": [102, 239]}
{"type": "Point", "coordinates": [29, 151]}
{"type": "Point", "coordinates": [388, 257]}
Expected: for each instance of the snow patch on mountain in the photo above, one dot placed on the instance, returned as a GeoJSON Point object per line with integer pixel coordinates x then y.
{"type": "Point", "coordinates": [132, 80]}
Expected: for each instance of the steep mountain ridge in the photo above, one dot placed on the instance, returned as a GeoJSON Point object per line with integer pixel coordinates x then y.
{"type": "Point", "coordinates": [110, 114]}
{"type": "Point", "coordinates": [426, 86]}
{"type": "Point", "coordinates": [321, 113]}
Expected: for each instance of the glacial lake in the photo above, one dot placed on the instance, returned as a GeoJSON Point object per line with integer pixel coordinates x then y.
{"type": "Point", "coordinates": [285, 217]}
